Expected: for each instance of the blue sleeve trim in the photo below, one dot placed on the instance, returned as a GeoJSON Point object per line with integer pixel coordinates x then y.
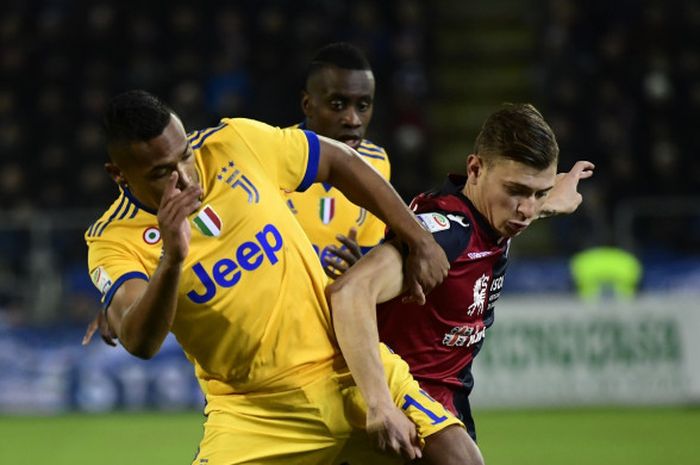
{"type": "Point", "coordinates": [204, 135]}
{"type": "Point", "coordinates": [117, 284]}
{"type": "Point", "coordinates": [365, 250]}
{"type": "Point", "coordinates": [369, 155]}
{"type": "Point", "coordinates": [312, 165]}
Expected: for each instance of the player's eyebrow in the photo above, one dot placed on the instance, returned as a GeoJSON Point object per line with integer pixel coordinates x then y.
{"type": "Point", "coordinates": [169, 165]}
{"type": "Point", "coordinates": [524, 188]}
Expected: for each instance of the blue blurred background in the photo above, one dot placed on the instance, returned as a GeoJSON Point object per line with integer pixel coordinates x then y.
{"type": "Point", "coordinates": [619, 82]}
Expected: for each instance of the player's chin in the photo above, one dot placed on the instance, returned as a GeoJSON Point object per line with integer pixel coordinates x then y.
{"type": "Point", "coordinates": [510, 230]}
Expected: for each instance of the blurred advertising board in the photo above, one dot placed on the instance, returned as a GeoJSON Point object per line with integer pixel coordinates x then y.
{"type": "Point", "coordinates": [561, 352]}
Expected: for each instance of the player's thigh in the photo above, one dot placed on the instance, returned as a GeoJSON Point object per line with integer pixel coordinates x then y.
{"type": "Point", "coordinates": [265, 434]}
{"type": "Point", "coordinates": [451, 446]}
{"type": "Point", "coordinates": [357, 451]}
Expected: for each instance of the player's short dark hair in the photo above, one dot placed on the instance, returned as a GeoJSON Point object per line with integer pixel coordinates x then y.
{"type": "Point", "coordinates": [134, 116]}
{"type": "Point", "coordinates": [519, 132]}
{"type": "Point", "coordinates": [341, 54]}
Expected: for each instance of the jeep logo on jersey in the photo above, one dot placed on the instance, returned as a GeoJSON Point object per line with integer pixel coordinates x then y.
{"type": "Point", "coordinates": [249, 256]}
{"type": "Point", "coordinates": [208, 222]}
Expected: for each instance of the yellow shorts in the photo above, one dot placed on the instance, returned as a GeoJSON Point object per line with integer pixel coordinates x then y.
{"type": "Point", "coordinates": [320, 423]}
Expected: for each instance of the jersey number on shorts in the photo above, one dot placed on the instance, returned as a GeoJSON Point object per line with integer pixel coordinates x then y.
{"type": "Point", "coordinates": [410, 401]}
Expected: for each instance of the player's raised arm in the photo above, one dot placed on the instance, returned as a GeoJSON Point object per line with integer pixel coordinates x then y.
{"type": "Point", "coordinates": [341, 166]}
{"type": "Point", "coordinates": [141, 313]}
{"type": "Point", "coordinates": [377, 277]}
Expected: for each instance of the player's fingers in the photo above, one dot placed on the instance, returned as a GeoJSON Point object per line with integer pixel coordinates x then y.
{"type": "Point", "coordinates": [108, 340]}
{"type": "Point", "coordinates": [415, 294]}
{"type": "Point", "coordinates": [338, 265]}
{"type": "Point", "coordinates": [89, 332]}
{"type": "Point", "coordinates": [581, 166]}
{"type": "Point", "coordinates": [342, 254]}
{"type": "Point", "coordinates": [184, 204]}
{"type": "Point", "coordinates": [394, 446]}
{"type": "Point", "coordinates": [351, 245]}
{"type": "Point", "coordinates": [352, 234]}
{"type": "Point", "coordinates": [170, 187]}
{"type": "Point", "coordinates": [330, 271]}
{"type": "Point", "coordinates": [415, 441]}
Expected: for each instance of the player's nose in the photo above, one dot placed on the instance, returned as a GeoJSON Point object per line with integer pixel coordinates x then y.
{"type": "Point", "coordinates": [527, 208]}
{"type": "Point", "coordinates": [351, 118]}
{"type": "Point", "coordinates": [184, 179]}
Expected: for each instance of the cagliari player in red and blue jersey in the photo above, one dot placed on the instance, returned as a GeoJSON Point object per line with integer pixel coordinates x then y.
{"type": "Point", "coordinates": [511, 181]}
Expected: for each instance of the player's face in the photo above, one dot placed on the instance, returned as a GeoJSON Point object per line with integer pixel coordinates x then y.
{"type": "Point", "coordinates": [145, 167]}
{"type": "Point", "coordinates": [508, 193]}
{"type": "Point", "coordinates": [338, 104]}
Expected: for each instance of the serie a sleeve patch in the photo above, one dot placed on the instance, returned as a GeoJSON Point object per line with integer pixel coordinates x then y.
{"type": "Point", "coordinates": [434, 221]}
{"type": "Point", "coordinates": [101, 280]}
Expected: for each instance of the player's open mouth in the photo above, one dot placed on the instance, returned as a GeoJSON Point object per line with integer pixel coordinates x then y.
{"type": "Point", "coordinates": [352, 141]}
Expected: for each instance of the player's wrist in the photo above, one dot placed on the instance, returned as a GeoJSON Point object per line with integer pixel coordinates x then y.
{"type": "Point", "coordinates": [172, 259]}
{"type": "Point", "coordinates": [417, 237]}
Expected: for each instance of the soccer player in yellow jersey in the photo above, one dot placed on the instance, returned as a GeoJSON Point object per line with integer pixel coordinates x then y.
{"type": "Point", "coordinates": [337, 101]}
{"type": "Point", "coordinates": [199, 242]}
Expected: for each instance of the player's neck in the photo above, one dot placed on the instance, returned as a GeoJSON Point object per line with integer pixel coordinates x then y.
{"type": "Point", "coordinates": [476, 199]}
{"type": "Point", "coordinates": [472, 193]}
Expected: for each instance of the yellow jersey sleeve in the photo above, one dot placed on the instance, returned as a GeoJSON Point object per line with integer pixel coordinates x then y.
{"type": "Point", "coordinates": [291, 155]}
{"type": "Point", "coordinates": [114, 257]}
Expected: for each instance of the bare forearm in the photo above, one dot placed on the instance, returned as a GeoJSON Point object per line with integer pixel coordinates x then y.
{"type": "Point", "coordinates": [354, 320]}
{"type": "Point", "coordinates": [364, 186]}
{"type": "Point", "coordinates": [146, 323]}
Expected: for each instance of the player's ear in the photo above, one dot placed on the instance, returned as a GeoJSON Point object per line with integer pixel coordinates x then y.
{"type": "Point", "coordinates": [306, 103]}
{"type": "Point", "coordinates": [115, 173]}
{"type": "Point", "coordinates": [475, 166]}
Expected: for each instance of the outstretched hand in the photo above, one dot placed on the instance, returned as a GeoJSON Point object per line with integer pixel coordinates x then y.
{"type": "Point", "coordinates": [100, 322]}
{"type": "Point", "coordinates": [391, 431]}
{"type": "Point", "coordinates": [564, 196]}
{"type": "Point", "coordinates": [342, 258]}
{"type": "Point", "coordinates": [425, 268]}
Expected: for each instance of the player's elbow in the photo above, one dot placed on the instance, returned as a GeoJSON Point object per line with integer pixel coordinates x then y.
{"type": "Point", "coordinates": [341, 290]}
{"type": "Point", "coordinates": [141, 347]}
{"type": "Point", "coordinates": [348, 297]}
{"type": "Point", "coordinates": [144, 353]}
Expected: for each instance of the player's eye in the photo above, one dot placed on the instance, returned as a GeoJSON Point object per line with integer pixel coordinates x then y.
{"type": "Point", "coordinates": [364, 106]}
{"type": "Point", "coordinates": [337, 104]}
{"type": "Point", "coordinates": [159, 173]}
{"type": "Point", "coordinates": [541, 194]}
{"type": "Point", "coordinates": [511, 190]}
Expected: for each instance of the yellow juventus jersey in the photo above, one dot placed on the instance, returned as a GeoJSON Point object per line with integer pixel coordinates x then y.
{"type": "Point", "coordinates": [251, 311]}
{"type": "Point", "coordinates": [325, 212]}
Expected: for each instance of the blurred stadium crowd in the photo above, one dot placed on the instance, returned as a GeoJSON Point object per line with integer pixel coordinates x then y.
{"type": "Point", "coordinates": [620, 82]}
{"type": "Point", "coordinates": [61, 61]}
